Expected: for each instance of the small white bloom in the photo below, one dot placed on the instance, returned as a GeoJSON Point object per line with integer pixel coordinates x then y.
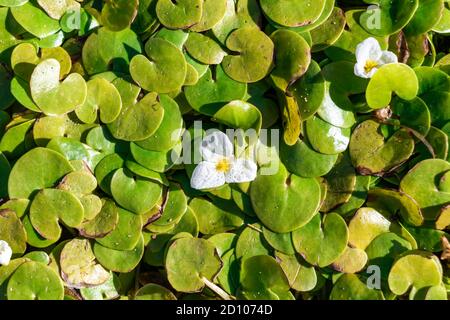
{"type": "Point", "coordinates": [5, 253]}
{"type": "Point", "coordinates": [219, 165]}
{"type": "Point", "coordinates": [370, 58]}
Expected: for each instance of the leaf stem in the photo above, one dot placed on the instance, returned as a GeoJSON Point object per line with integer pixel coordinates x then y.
{"type": "Point", "coordinates": [218, 290]}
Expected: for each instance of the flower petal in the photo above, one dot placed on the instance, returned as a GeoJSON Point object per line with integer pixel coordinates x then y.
{"type": "Point", "coordinates": [215, 146]}
{"type": "Point", "coordinates": [388, 57]}
{"type": "Point", "coordinates": [369, 49]}
{"type": "Point", "coordinates": [205, 176]}
{"type": "Point", "coordinates": [5, 253]}
{"type": "Point", "coordinates": [360, 71]}
{"type": "Point", "coordinates": [242, 170]}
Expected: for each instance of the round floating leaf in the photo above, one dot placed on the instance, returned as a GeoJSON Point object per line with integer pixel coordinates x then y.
{"type": "Point", "coordinates": [425, 183]}
{"type": "Point", "coordinates": [190, 260]}
{"type": "Point", "coordinates": [103, 223]}
{"type": "Point", "coordinates": [240, 115]}
{"type": "Point", "coordinates": [78, 265]}
{"type": "Point", "coordinates": [102, 97]}
{"type": "Point", "coordinates": [309, 91]}
{"type": "Point", "coordinates": [33, 19]}
{"type": "Point", "coordinates": [292, 13]}
{"type": "Point", "coordinates": [51, 205]}
{"type": "Point", "coordinates": [213, 12]}
{"type": "Point", "coordinates": [106, 49]}
{"type": "Point", "coordinates": [322, 241]}
{"type": "Point", "coordinates": [391, 78]}
{"type": "Point", "coordinates": [326, 138]}
{"type": "Point", "coordinates": [164, 72]}
{"type": "Point", "coordinates": [126, 234]}
{"type": "Point", "coordinates": [279, 241]}
{"type": "Point", "coordinates": [388, 17]}
{"type": "Point", "coordinates": [35, 281]}
{"type": "Point", "coordinates": [138, 121]}
{"type": "Point", "coordinates": [119, 261]}
{"type": "Point", "coordinates": [214, 90]}
{"type": "Point", "coordinates": [263, 279]}
{"type": "Point", "coordinates": [106, 291]}
{"type": "Point", "coordinates": [119, 14]}
{"type": "Point", "coordinates": [384, 249]}
{"type": "Point", "coordinates": [396, 202]}
{"type": "Point", "coordinates": [251, 243]}
{"type": "Point", "coordinates": [352, 260]}
{"type": "Point", "coordinates": [292, 58]}
{"type": "Point", "coordinates": [255, 55]}
{"type": "Point", "coordinates": [217, 216]}
{"type": "Point", "coordinates": [152, 291]}
{"type": "Point", "coordinates": [136, 194]}
{"type": "Point", "coordinates": [181, 14]}
{"type": "Point", "coordinates": [372, 155]}
{"type": "Point", "coordinates": [204, 49]}
{"type": "Point", "coordinates": [170, 130]}
{"type": "Point", "coordinates": [302, 277]}
{"type": "Point", "coordinates": [353, 287]}
{"type": "Point", "coordinates": [12, 231]}
{"type": "Point", "coordinates": [415, 270]}
{"type": "Point", "coordinates": [53, 97]}
{"type": "Point", "coordinates": [284, 202]}
{"type": "Point", "coordinates": [365, 226]}
{"type": "Point", "coordinates": [26, 176]}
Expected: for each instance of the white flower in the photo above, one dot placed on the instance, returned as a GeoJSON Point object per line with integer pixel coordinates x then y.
{"type": "Point", "coordinates": [370, 58]}
{"type": "Point", "coordinates": [219, 165]}
{"type": "Point", "coordinates": [5, 253]}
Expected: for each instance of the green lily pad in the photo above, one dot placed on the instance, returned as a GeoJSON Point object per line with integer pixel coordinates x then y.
{"type": "Point", "coordinates": [170, 130]}
{"type": "Point", "coordinates": [284, 202]}
{"type": "Point", "coordinates": [26, 176]}
{"type": "Point", "coordinates": [255, 57]}
{"type": "Point", "coordinates": [292, 58]}
{"type": "Point", "coordinates": [372, 155]}
{"type": "Point", "coordinates": [152, 291]}
{"type": "Point", "coordinates": [425, 183]}
{"type": "Point", "coordinates": [204, 49]}
{"type": "Point", "coordinates": [390, 78]}
{"type": "Point", "coordinates": [35, 20]}
{"type": "Point", "coordinates": [213, 12]}
{"type": "Point", "coordinates": [213, 91]}
{"type": "Point", "coordinates": [352, 260]}
{"type": "Point", "coordinates": [35, 281]}
{"type": "Point", "coordinates": [53, 97]}
{"type": "Point", "coordinates": [119, 261]}
{"type": "Point", "coordinates": [118, 15]}
{"type": "Point", "coordinates": [290, 13]}
{"type": "Point", "coordinates": [106, 291]}
{"type": "Point", "coordinates": [12, 231]}
{"type": "Point", "coordinates": [263, 279]}
{"type": "Point", "coordinates": [164, 72]}
{"type": "Point", "coordinates": [302, 277]}
{"type": "Point", "coordinates": [138, 121]}
{"type": "Point", "coordinates": [413, 271]}
{"type": "Point", "coordinates": [217, 216]}
{"type": "Point", "coordinates": [102, 97]}
{"type": "Point", "coordinates": [126, 234]}
{"type": "Point", "coordinates": [353, 287]}
{"type": "Point", "coordinates": [326, 138]}
{"type": "Point", "coordinates": [393, 16]}
{"type": "Point", "coordinates": [78, 266]}
{"type": "Point", "coordinates": [322, 241]}
{"type": "Point", "coordinates": [103, 223]}
{"type": "Point", "coordinates": [51, 205]}
{"type": "Point", "coordinates": [179, 15]}
{"type": "Point", "coordinates": [136, 194]}
{"type": "Point", "coordinates": [189, 261]}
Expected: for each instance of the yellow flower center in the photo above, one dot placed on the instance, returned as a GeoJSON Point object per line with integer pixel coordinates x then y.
{"type": "Point", "coordinates": [370, 64]}
{"type": "Point", "coordinates": [223, 165]}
